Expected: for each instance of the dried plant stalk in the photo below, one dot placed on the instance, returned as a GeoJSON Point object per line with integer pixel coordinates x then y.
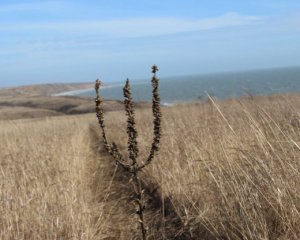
{"type": "Point", "coordinates": [156, 118]}
{"type": "Point", "coordinates": [112, 149]}
{"type": "Point", "coordinates": [99, 114]}
{"type": "Point", "coordinates": [132, 165]}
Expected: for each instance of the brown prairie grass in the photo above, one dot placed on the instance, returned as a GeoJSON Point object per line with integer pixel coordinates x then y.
{"type": "Point", "coordinates": [226, 170]}
{"type": "Point", "coordinates": [9, 113]}
{"type": "Point", "coordinates": [231, 169]}
{"type": "Point", "coordinates": [43, 193]}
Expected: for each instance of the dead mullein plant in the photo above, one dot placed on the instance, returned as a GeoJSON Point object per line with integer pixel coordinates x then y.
{"type": "Point", "coordinates": [132, 165]}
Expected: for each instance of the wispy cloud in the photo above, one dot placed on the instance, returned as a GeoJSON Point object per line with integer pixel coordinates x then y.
{"type": "Point", "coordinates": [29, 7]}
{"type": "Point", "coordinates": [138, 27]}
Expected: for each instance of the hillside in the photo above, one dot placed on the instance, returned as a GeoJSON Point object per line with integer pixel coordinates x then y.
{"type": "Point", "coordinates": [44, 89]}
{"type": "Point", "coordinates": [225, 170]}
{"type": "Point", "coordinates": [37, 101]}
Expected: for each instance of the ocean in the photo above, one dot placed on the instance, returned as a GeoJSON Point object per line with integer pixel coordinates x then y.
{"type": "Point", "coordinates": [222, 86]}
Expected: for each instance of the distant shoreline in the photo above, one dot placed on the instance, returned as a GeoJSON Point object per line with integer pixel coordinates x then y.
{"type": "Point", "coordinates": [79, 91]}
{"type": "Point", "coordinates": [195, 88]}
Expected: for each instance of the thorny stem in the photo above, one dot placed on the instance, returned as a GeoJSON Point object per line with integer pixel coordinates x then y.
{"type": "Point", "coordinates": [140, 203]}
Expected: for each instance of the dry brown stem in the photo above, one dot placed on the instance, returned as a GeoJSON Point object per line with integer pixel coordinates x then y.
{"type": "Point", "coordinates": [133, 165]}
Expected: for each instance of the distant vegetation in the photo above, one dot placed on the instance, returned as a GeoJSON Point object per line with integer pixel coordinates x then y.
{"type": "Point", "coordinates": [33, 106]}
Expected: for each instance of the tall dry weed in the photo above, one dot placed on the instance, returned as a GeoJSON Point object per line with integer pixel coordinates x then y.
{"type": "Point", "coordinates": [132, 165]}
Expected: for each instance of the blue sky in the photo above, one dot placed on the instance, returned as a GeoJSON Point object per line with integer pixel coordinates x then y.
{"type": "Point", "coordinates": [79, 41]}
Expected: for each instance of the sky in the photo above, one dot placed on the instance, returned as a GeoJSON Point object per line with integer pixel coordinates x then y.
{"type": "Point", "coordinates": [54, 41]}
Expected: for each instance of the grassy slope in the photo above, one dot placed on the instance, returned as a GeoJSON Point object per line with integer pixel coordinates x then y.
{"type": "Point", "coordinates": [24, 106]}
{"type": "Point", "coordinates": [226, 170]}
{"type": "Point", "coordinates": [44, 89]}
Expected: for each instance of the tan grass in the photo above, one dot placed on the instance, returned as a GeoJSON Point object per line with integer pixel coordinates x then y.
{"type": "Point", "coordinates": [14, 113]}
{"type": "Point", "coordinates": [230, 169]}
{"type": "Point", "coordinates": [42, 177]}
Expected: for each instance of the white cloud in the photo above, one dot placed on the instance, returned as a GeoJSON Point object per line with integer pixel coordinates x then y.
{"type": "Point", "coordinates": [134, 27]}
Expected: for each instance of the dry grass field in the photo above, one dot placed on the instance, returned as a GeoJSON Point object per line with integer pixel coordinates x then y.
{"type": "Point", "coordinates": [225, 170]}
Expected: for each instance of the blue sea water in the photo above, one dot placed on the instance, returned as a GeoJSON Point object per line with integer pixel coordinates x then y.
{"type": "Point", "coordinates": [222, 86]}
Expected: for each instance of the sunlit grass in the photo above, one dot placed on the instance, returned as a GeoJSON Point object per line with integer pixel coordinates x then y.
{"type": "Point", "coordinates": [231, 170]}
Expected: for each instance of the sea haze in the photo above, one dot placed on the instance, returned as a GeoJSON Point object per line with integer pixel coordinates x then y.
{"type": "Point", "coordinates": [222, 86]}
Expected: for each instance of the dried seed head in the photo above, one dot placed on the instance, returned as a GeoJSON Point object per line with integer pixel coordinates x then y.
{"type": "Point", "coordinates": [100, 115]}
{"type": "Point", "coordinates": [156, 118]}
{"type": "Point", "coordinates": [154, 69]}
{"type": "Point", "coordinates": [98, 84]}
{"type": "Point", "coordinates": [131, 129]}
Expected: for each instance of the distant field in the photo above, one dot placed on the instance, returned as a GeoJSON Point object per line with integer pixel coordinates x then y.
{"type": "Point", "coordinates": [33, 106]}
{"type": "Point", "coordinates": [44, 89]}
{"type": "Point", "coordinates": [36, 101]}
{"type": "Point", "coordinates": [226, 170]}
